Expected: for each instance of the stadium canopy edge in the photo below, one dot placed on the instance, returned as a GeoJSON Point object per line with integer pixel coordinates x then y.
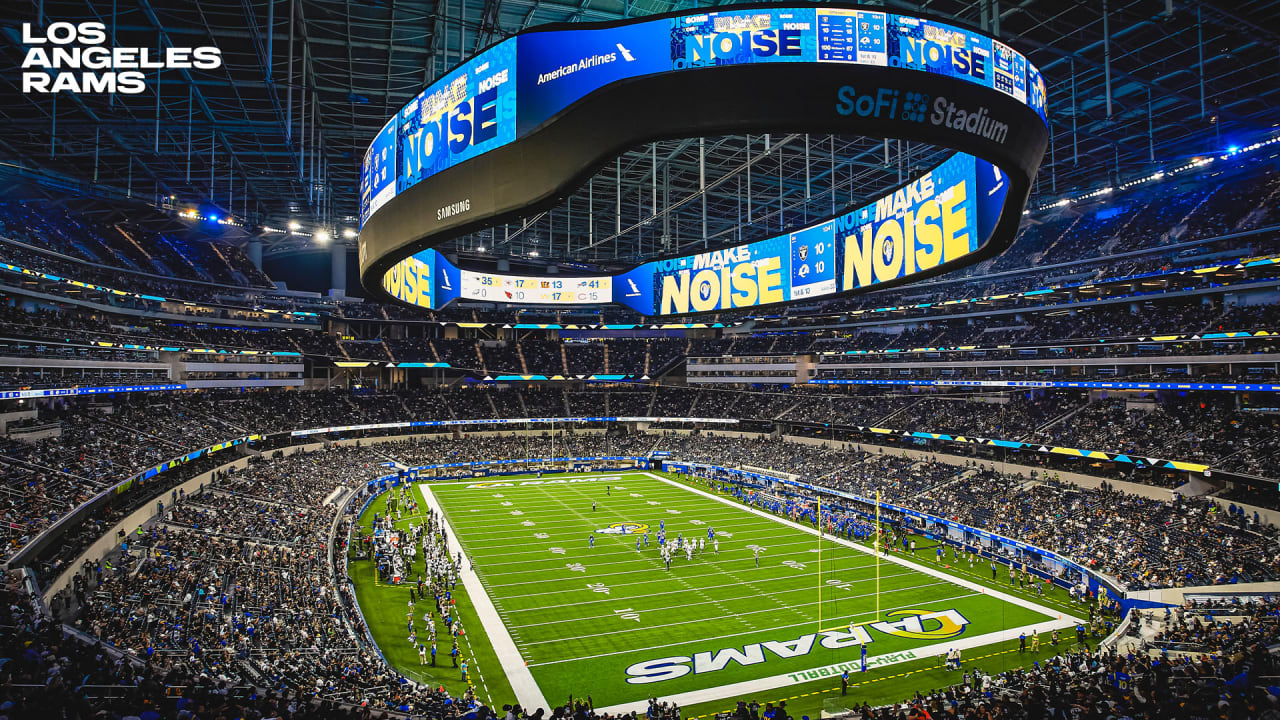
{"type": "Point", "coordinates": [522, 124]}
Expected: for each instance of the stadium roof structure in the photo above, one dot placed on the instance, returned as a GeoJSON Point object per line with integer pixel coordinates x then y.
{"type": "Point", "coordinates": [277, 133]}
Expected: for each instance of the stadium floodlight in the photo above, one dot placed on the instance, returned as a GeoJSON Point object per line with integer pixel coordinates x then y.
{"type": "Point", "coordinates": [480, 249]}
{"type": "Point", "coordinates": [349, 234]}
{"type": "Point", "coordinates": [294, 226]}
{"type": "Point", "coordinates": [321, 236]}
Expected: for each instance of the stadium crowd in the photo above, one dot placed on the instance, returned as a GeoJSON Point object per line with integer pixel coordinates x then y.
{"type": "Point", "coordinates": [94, 445]}
{"type": "Point", "coordinates": [1142, 543]}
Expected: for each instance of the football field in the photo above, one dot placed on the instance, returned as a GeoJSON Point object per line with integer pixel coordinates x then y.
{"type": "Point", "coordinates": [563, 615]}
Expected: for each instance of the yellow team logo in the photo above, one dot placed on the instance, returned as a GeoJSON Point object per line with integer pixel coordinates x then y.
{"type": "Point", "coordinates": [923, 626]}
{"type": "Point", "coordinates": [624, 528]}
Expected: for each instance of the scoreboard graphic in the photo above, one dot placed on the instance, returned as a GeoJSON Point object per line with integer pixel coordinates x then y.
{"type": "Point", "coordinates": [852, 36]}
{"type": "Point", "coordinates": [545, 290]}
{"type": "Point", "coordinates": [813, 261]}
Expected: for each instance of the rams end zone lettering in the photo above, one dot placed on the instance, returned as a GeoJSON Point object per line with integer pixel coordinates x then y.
{"type": "Point", "coordinates": [911, 624]}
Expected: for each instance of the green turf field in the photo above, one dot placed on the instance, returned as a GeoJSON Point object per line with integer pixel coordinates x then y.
{"type": "Point", "coordinates": [384, 608]}
{"type": "Point", "coordinates": [614, 621]}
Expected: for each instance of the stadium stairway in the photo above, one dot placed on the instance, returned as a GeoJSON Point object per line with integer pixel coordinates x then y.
{"type": "Point", "coordinates": [880, 422]}
{"type": "Point", "coordinates": [524, 364]}
{"type": "Point", "coordinates": [1060, 419]}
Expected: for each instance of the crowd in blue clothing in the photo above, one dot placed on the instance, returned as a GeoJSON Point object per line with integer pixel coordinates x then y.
{"type": "Point", "coordinates": [1141, 542]}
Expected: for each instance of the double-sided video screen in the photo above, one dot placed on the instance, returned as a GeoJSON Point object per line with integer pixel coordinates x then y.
{"type": "Point", "coordinates": [511, 89]}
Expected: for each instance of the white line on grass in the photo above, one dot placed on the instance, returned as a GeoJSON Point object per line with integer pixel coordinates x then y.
{"type": "Point", "coordinates": [748, 688]}
{"type": "Point", "coordinates": [592, 554]}
{"type": "Point", "coordinates": [780, 680]}
{"type": "Point", "coordinates": [629, 598]}
{"type": "Point", "coordinates": [512, 484]}
{"type": "Point", "coordinates": [739, 532]}
{"type": "Point", "coordinates": [771, 597]}
{"type": "Point", "coordinates": [677, 578]}
{"type": "Point", "coordinates": [683, 605]}
{"type": "Point", "coordinates": [487, 520]}
{"type": "Point", "coordinates": [1049, 612]}
{"type": "Point", "coordinates": [522, 683]}
{"type": "Point", "coordinates": [807, 622]}
{"type": "Point", "coordinates": [747, 561]}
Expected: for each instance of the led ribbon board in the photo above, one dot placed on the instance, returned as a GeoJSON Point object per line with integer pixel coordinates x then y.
{"type": "Point", "coordinates": [521, 125]}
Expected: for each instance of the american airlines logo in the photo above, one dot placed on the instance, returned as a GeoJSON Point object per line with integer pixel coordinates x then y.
{"type": "Point", "coordinates": [586, 63]}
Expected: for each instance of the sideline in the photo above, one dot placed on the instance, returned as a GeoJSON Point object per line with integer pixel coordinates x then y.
{"type": "Point", "coordinates": [528, 694]}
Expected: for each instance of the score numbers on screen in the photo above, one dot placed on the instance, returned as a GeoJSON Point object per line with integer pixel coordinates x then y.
{"type": "Point", "coordinates": [545, 290]}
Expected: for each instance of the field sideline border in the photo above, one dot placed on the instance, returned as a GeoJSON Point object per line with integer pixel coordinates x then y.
{"type": "Point", "coordinates": [526, 689]}
{"type": "Point", "coordinates": [776, 681]}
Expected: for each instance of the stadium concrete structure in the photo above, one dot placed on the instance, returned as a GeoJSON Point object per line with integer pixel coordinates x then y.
{"type": "Point", "coordinates": [523, 360]}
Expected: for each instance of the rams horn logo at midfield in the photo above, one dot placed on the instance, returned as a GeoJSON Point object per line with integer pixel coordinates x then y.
{"type": "Point", "coordinates": [623, 528]}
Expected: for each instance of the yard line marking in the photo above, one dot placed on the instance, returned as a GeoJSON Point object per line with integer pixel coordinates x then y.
{"type": "Point", "coordinates": [754, 596]}
{"type": "Point", "coordinates": [739, 533]}
{"type": "Point", "coordinates": [890, 557]}
{"type": "Point", "coordinates": [631, 555]}
{"type": "Point", "coordinates": [513, 486]}
{"type": "Point", "coordinates": [717, 637]}
{"type": "Point", "coordinates": [748, 583]}
{"type": "Point", "coordinates": [808, 620]}
{"type": "Point", "coordinates": [629, 598]}
{"type": "Point", "coordinates": [536, 515]}
{"type": "Point", "coordinates": [748, 688]}
{"type": "Point", "coordinates": [745, 559]}
{"type": "Point", "coordinates": [678, 579]}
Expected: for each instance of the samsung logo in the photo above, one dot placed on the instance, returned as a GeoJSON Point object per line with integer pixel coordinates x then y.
{"type": "Point", "coordinates": [452, 209]}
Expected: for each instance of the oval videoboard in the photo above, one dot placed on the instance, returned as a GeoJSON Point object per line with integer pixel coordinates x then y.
{"type": "Point", "coordinates": [521, 125]}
